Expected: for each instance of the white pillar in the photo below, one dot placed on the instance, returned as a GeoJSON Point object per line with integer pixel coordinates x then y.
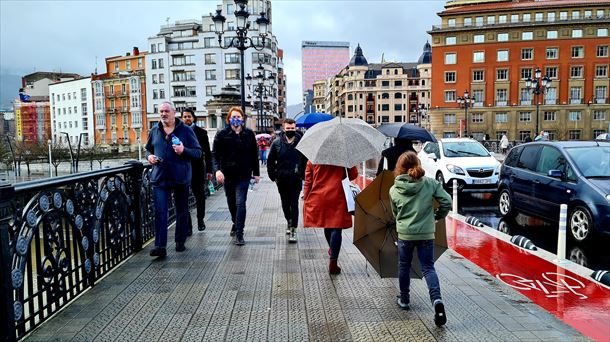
{"type": "Point", "coordinates": [50, 159]}
{"type": "Point", "coordinates": [561, 237]}
{"type": "Point", "coordinates": [455, 197]}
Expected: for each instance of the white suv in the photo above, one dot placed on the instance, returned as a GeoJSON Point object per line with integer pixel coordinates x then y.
{"type": "Point", "coordinates": [466, 160]}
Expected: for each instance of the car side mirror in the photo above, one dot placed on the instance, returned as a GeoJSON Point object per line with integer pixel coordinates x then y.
{"type": "Point", "coordinates": [493, 154]}
{"type": "Point", "coordinates": [432, 156]}
{"type": "Point", "coordinates": [555, 174]}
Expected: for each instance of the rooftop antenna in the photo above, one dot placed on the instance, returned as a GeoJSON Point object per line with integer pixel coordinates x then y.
{"type": "Point", "coordinates": [382, 57]}
{"type": "Point", "coordinates": [96, 65]}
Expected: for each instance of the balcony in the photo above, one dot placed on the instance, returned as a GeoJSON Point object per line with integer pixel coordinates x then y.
{"type": "Point", "coordinates": [550, 101]}
{"type": "Point", "coordinates": [478, 104]}
{"type": "Point", "coordinates": [525, 102]}
{"type": "Point", "coordinates": [600, 100]}
{"type": "Point", "coordinates": [495, 25]}
{"type": "Point", "coordinates": [575, 101]}
{"type": "Point", "coordinates": [501, 104]}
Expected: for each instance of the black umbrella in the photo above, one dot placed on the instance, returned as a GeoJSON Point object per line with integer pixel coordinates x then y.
{"type": "Point", "coordinates": [406, 131]}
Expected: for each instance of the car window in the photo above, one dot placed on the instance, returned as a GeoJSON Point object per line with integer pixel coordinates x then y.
{"type": "Point", "coordinates": [431, 148]}
{"type": "Point", "coordinates": [513, 157]}
{"type": "Point", "coordinates": [592, 162]}
{"type": "Point", "coordinates": [464, 149]}
{"type": "Point", "coordinates": [428, 148]}
{"type": "Point", "coordinates": [570, 176]}
{"type": "Point", "coordinates": [529, 158]}
{"type": "Point", "coordinates": [550, 159]}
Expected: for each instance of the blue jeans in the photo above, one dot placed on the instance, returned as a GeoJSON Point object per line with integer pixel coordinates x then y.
{"type": "Point", "coordinates": [334, 238]}
{"type": "Point", "coordinates": [162, 196]}
{"type": "Point", "coordinates": [263, 156]}
{"type": "Point", "coordinates": [425, 253]}
{"type": "Point", "coordinates": [237, 194]}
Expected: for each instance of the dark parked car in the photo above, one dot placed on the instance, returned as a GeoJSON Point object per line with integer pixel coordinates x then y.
{"type": "Point", "coordinates": [536, 178]}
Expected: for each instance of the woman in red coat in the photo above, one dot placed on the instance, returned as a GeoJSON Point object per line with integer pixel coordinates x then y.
{"type": "Point", "coordinates": [325, 206]}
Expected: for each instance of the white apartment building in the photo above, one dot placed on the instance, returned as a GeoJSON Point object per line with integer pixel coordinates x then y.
{"type": "Point", "coordinates": [72, 111]}
{"type": "Point", "coordinates": [186, 66]}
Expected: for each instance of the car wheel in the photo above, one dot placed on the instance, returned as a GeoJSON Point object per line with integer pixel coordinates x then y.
{"type": "Point", "coordinates": [440, 179]}
{"type": "Point", "coordinates": [580, 224]}
{"type": "Point", "coordinates": [578, 256]}
{"type": "Point", "coordinates": [505, 204]}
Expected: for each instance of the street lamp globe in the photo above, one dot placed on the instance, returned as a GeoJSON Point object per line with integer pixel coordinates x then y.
{"type": "Point", "coordinates": [263, 24]}
{"type": "Point", "coordinates": [241, 16]}
{"type": "Point", "coordinates": [219, 23]}
{"type": "Point", "coordinates": [538, 73]}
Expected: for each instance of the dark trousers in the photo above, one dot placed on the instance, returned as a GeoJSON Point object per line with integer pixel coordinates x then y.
{"type": "Point", "coordinates": [198, 186]}
{"type": "Point", "coordinates": [237, 194]}
{"type": "Point", "coordinates": [334, 238]}
{"type": "Point", "coordinates": [425, 253]}
{"type": "Point", "coordinates": [289, 194]}
{"type": "Point", "coordinates": [162, 196]}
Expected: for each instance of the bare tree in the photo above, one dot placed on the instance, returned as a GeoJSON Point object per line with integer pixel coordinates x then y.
{"type": "Point", "coordinates": [59, 154]}
{"type": "Point", "coordinates": [99, 154]}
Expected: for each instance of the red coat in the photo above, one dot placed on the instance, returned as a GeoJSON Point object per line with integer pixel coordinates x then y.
{"type": "Point", "coordinates": [324, 203]}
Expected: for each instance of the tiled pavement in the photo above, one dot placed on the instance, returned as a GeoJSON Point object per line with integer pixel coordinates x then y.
{"type": "Point", "coordinates": [275, 291]}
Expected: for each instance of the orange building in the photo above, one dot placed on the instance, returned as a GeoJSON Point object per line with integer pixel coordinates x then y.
{"type": "Point", "coordinates": [490, 48]}
{"type": "Point", "coordinates": [120, 102]}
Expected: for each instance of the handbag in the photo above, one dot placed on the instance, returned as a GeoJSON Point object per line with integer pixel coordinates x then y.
{"type": "Point", "coordinates": [350, 190]}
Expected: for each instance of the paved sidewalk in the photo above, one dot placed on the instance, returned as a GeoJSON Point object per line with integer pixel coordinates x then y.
{"type": "Point", "coordinates": [270, 290]}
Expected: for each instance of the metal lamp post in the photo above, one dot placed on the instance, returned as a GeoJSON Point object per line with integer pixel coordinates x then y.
{"type": "Point", "coordinates": [241, 41]}
{"type": "Point", "coordinates": [49, 142]}
{"type": "Point", "coordinates": [465, 102]}
{"type": "Point", "coordinates": [71, 153]}
{"type": "Point", "coordinates": [537, 86]}
{"type": "Point", "coordinates": [263, 88]}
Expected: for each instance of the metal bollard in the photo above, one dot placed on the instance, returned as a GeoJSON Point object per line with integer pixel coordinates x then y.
{"type": "Point", "coordinates": [455, 196]}
{"type": "Point", "coordinates": [561, 237]}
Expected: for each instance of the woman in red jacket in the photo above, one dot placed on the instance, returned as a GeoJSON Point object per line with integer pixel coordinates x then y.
{"type": "Point", "coordinates": [325, 206]}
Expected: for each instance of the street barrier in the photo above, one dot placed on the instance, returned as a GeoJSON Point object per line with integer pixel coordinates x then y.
{"type": "Point", "coordinates": [523, 242]}
{"type": "Point", "coordinates": [474, 221]}
{"type": "Point", "coordinates": [601, 276]}
{"type": "Point", "coordinates": [561, 235]}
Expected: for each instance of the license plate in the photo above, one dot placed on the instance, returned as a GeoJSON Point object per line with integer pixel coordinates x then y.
{"type": "Point", "coordinates": [482, 181]}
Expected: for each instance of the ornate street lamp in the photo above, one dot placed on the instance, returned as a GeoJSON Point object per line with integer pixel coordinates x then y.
{"type": "Point", "coordinates": [261, 86]}
{"type": "Point", "coordinates": [465, 102]}
{"type": "Point", "coordinates": [241, 42]}
{"type": "Point", "coordinates": [538, 85]}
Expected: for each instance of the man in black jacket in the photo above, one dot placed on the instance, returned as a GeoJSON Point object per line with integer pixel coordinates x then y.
{"type": "Point", "coordinates": [235, 155]}
{"type": "Point", "coordinates": [286, 167]}
{"type": "Point", "coordinates": [392, 153]}
{"type": "Point", "coordinates": [202, 167]}
{"type": "Point", "coordinates": [170, 148]}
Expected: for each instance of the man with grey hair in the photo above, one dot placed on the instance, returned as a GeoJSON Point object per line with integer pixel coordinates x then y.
{"type": "Point", "coordinates": [170, 148]}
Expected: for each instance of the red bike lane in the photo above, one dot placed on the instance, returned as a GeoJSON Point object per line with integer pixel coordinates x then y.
{"type": "Point", "coordinates": [578, 301]}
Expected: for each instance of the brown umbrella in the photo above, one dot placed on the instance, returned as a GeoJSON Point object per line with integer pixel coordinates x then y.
{"type": "Point", "coordinates": [375, 229]}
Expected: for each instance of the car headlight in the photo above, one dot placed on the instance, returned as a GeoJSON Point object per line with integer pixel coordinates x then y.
{"type": "Point", "coordinates": [455, 169]}
{"type": "Point", "coordinates": [608, 198]}
{"type": "Point", "coordinates": [497, 170]}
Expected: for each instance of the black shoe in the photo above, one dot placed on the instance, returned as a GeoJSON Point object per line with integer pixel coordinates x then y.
{"type": "Point", "coordinates": [401, 304]}
{"type": "Point", "coordinates": [158, 252]}
{"type": "Point", "coordinates": [180, 247]}
{"type": "Point", "coordinates": [232, 231]}
{"type": "Point", "coordinates": [439, 313]}
{"type": "Point", "coordinates": [239, 241]}
{"type": "Point", "coordinates": [201, 226]}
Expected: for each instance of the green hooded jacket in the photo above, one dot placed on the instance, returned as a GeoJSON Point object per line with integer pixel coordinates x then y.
{"type": "Point", "coordinates": [412, 206]}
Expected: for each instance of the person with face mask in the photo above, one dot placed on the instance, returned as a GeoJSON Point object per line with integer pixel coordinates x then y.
{"type": "Point", "coordinates": [235, 159]}
{"type": "Point", "coordinates": [286, 167]}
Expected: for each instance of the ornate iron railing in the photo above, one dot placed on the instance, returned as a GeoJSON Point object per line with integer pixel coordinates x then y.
{"type": "Point", "coordinates": [58, 236]}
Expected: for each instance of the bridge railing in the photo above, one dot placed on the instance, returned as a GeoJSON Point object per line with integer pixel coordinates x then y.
{"type": "Point", "coordinates": [59, 236]}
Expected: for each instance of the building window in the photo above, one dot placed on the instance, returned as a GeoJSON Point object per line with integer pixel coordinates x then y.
{"type": "Point", "coordinates": [491, 20]}
{"type": "Point", "coordinates": [231, 58]}
{"type": "Point", "coordinates": [575, 95]}
{"type": "Point", "coordinates": [210, 58]}
{"type": "Point", "coordinates": [525, 116]}
{"type": "Point", "coordinates": [526, 96]}
{"type": "Point", "coordinates": [575, 14]}
{"type": "Point", "coordinates": [551, 34]}
{"type": "Point", "coordinates": [527, 17]}
{"type": "Point", "coordinates": [161, 78]}
{"type": "Point", "coordinates": [551, 72]}
{"type": "Point", "coordinates": [477, 117]}
{"type": "Point", "coordinates": [398, 107]}
{"type": "Point", "coordinates": [527, 54]}
{"type": "Point", "coordinates": [601, 71]}
{"type": "Point", "coordinates": [563, 15]}
{"type": "Point", "coordinates": [467, 21]}
{"type": "Point", "coordinates": [550, 16]}
{"type": "Point", "coordinates": [449, 119]}
{"type": "Point", "coordinates": [385, 107]}
{"type": "Point", "coordinates": [599, 13]}
{"type": "Point", "coordinates": [501, 97]}
{"type": "Point", "coordinates": [502, 37]}
{"type": "Point", "coordinates": [478, 21]}
{"type": "Point", "coordinates": [210, 75]}
{"type": "Point", "coordinates": [479, 96]}
{"type": "Point", "coordinates": [502, 56]}
{"type": "Point", "coordinates": [450, 77]}
{"type": "Point", "coordinates": [232, 74]}
{"type": "Point", "coordinates": [599, 115]}
{"type": "Point", "coordinates": [450, 96]}
{"type": "Point", "coordinates": [514, 18]}
{"type": "Point", "coordinates": [502, 74]}
{"type": "Point", "coordinates": [479, 38]}
{"type": "Point", "coordinates": [116, 66]}
{"type": "Point", "coordinates": [551, 96]}
{"type": "Point", "coordinates": [451, 22]}
{"type": "Point", "coordinates": [450, 58]}
{"type": "Point", "coordinates": [600, 94]}
{"type": "Point", "coordinates": [597, 132]}
{"type": "Point", "coordinates": [153, 64]}
{"type": "Point", "coordinates": [602, 51]}
{"type": "Point", "coordinates": [576, 72]}
{"type": "Point", "coordinates": [527, 35]}
{"type": "Point", "coordinates": [501, 117]}
{"type": "Point", "coordinates": [526, 73]}
{"type": "Point", "coordinates": [574, 134]}
{"type": "Point", "coordinates": [478, 57]}
{"type": "Point", "coordinates": [576, 33]}
{"type": "Point", "coordinates": [552, 53]}
{"type": "Point", "coordinates": [450, 40]}
{"type": "Point", "coordinates": [550, 116]}
{"type": "Point", "coordinates": [155, 94]}
{"type": "Point", "coordinates": [209, 90]}
{"type": "Point", "coordinates": [602, 32]}
{"type": "Point", "coordinates": [478, 75]}
{"type": "Point", "coordinates": [578, 52]}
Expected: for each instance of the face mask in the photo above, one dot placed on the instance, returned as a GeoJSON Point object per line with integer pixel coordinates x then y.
{"type": "Point", "coordinates": [235, 122]}
{"type": "Point", "coordinates": [290, 134]}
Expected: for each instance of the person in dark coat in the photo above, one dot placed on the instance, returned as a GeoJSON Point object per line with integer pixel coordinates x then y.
{"type": "Point", "coordinates": [170, 148]}
{"type": "Point", "coordinates": [235, 156]}
{"type": "Point", "coordinates": [391, 154]}
{"type": "Point", "coordinates": [286, 167]}
{"type": "Point", "coordinates": [202, 167]}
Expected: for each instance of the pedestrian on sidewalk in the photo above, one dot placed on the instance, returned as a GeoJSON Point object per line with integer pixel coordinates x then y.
{"type": "Point", "coordinates": [411, 201]}
{"type": "Point", "coordinates": [170, 148]}
{"type": "Point", "coordinates": [286, 167]}
{"type": "Point", "coordinates": [325, 205]}
{"type": "Point", "coordinates": [235, 158]}
{"type": "Point", "coordinates": [391, 154]}
{"type": "Point", "coordinates": [504, 144]}
{"type": "Point", "coordinates": [202, 167]}
{"type": "Point", "coordinates": [262, 147]}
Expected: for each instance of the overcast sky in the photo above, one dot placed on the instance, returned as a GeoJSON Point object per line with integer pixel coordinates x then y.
{"type": "Point", "coordinates": [67, 35]}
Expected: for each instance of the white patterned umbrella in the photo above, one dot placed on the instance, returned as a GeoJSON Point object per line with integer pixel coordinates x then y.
{"type": "Point", "coordinates": [341, 142]}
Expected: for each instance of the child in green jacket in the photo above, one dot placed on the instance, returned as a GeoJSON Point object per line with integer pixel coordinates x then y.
{"type": "Point", "coordinates": [411, 199]}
